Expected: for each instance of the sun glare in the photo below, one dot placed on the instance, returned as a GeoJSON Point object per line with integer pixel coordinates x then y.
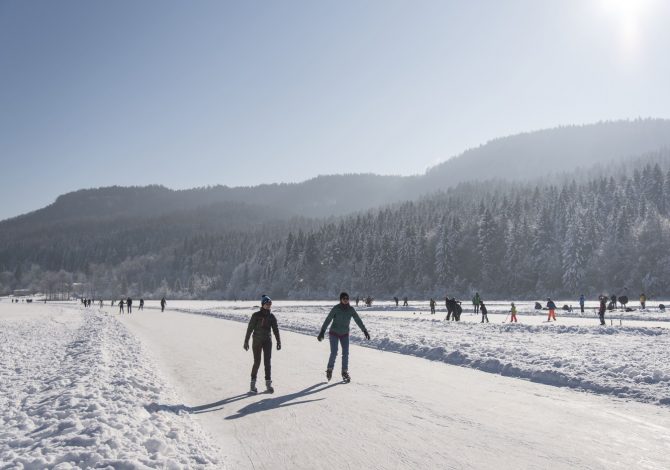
{"type": "Point", "coordinates": [628, 17]}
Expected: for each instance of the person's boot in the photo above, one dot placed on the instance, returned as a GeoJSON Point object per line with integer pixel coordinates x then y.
{"type": "Point", "coordinates": [329, 374]}
{"type": "Point", "coordinates": [268, 386]}
{"type": "Point", "coordinates": [252, 388]}
{"type": "Point", "coordinates": [345, 376]}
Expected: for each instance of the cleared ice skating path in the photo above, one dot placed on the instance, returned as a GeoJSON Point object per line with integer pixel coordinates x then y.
{"type": "Point", "coordinates": [398, 412]}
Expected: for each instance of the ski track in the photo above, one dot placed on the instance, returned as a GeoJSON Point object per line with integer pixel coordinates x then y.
{"type": "Point", "coordinates": [628, 362]}
{"type": "Point", "coordinates": [77, 392]}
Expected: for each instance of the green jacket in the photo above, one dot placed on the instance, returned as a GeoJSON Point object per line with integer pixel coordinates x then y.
{"type": "Point", "coordinates": [341, 316]}
{"type": "Point", "coordinates": [476, 299]}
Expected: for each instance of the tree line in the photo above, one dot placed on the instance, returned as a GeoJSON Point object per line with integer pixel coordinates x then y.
{"type": "Point", "coordinates": [604, 234]}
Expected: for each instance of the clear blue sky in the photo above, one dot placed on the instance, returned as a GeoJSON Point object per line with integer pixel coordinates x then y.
{"type": "Point", "coordinates": [190, 94]}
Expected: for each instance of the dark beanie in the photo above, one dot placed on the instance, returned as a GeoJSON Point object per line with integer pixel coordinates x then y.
{"type": "Point", "coordinates": [343, 294]}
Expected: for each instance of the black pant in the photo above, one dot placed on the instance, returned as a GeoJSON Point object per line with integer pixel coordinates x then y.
{"type": "Point", "coordinates": [602, 317]}
{"type": "Point", "coordinates": [266, 347]}
{"type": "Point", "coordinates": [485, 317]}
{"type": "Point", "coordinates": [582, 307]}
{"type": "Point", "coordinates": [476, 308]}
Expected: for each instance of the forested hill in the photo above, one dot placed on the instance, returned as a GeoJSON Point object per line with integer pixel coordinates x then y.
{"type": "Point", "coordinates": [610, 233]}
{"type": "Point", "coordinates": [502, 236]}
{"type": "Point", "coordinates": [526, 156]}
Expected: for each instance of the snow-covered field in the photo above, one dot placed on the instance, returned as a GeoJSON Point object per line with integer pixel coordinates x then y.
{"type": "Point", "coordinates": [628, 358]}
{"type": "Point", "coordinates": [91, 388]}
{"type": "Point", "coordinates": [77, 391]}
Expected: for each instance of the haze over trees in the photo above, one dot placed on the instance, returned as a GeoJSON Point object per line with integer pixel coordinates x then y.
{"type": "Point", "coordinates": [603, 228]}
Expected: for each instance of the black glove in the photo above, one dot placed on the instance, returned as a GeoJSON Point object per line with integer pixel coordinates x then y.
{"type": "Point", "coordinates": [367, 335]}
{"type": "Point", "coordinates": [278, 345]}
{"type": "Point", "coordinates": [321, 335]}
{"type": "Point", "coordinates": [246, 346]}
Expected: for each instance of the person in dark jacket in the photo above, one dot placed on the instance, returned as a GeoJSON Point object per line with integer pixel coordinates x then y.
{"type": "Point", "coordinates": [129, 303]}
{"type": "Point", "coordinates": [581, 302]}
{"type": "Point", "coordinates": [552, 310]}
{"type": "Point", "coordinates": [262, 324]}
{"type": "Point", "coordinates": [432, 306]}
{"type": "Point", "coordinates": [602, 309]}
{"type": "Point", "coordinates": [163, 303]}
{"type": "Point", "coordinates": [141, 304]}
{"type": "Point", "coordinates": [450, 308]}
{"type": "Point", "coordinates": [482, 308]}
{"type": "Point", "coordinates": [341, 315]}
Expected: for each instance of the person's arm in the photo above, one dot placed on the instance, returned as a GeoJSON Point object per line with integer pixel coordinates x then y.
{"type": "Point", "coordinates": [275, 330]}
{"type": "Point", "coordinates": [250, 328]}
{"type": "Point", "coordinates": [360, 324]}
{"type": "Point", "coordinates": [326, 322]}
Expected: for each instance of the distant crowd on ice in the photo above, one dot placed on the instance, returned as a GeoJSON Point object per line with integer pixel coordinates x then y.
{"type": "Point", "coordinates": [454, 308]}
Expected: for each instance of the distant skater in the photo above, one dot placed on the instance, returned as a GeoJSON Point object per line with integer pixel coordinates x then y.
{"type": "Point", "coordinates": [512, 313]}
{"type": "Point", "coordinates": [581, 302]}
{"type": "Point", "coordinates": [405, 303]}
{"type": "Point", "coordinates": [163, 304]}
{"type": "Point", "coordinates": [552, 310]}
{"type": "Point", "coordinates": [340, 315]}
{"type": "Point", "coordinates": [432, 306]}
{"type": "Point", "coordinates": [482, 308]}
{"type": "Point", "coordinates": [643, 301]}
{"type": "Point", "coordinates": [602, 309]}
{"type": "Point", "coordinates": [262, 324]}
{"type": "Point", "coordinates": [476, 300]}
{"type": "Point", "coordinates": [141, 304]}
{"type": "Point", "coordinates": [129, 303]}
{"type": "Point", "coordinates": [121, 306]}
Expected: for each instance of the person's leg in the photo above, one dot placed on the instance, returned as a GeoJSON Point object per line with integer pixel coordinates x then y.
{"type": "Point", "coordinates": [267, 359]}
{"type": "Point", "coordinates": [256, 348]}
{"type": "Point", "coordinates": [344, 340]}
{"type": "Point", "coordinates": [333, 351]}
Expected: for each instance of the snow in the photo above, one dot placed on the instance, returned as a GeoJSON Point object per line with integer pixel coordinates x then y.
{"type": "Point", "coordinates": [91, 388]}
{"type": "Point", "coordinates": [400, 411]}
{"type": "Point", "coordinates": [76, 393]}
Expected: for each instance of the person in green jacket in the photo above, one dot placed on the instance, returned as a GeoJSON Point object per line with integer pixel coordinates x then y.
{"type": "Point", "coordinates": [476, 300]}
{"type": "Point", "coordinates": [262, 324]}
{"type": "Point", "coordinates": [341, 315]}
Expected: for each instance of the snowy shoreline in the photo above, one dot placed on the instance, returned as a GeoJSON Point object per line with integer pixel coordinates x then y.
{"type": "Point", "coordinates": [78, 391]}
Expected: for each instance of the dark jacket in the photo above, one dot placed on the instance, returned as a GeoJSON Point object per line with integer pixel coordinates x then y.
{"type": "Point", "coordinates": [482, 308]}
{"type": "Point", "coordinates": [551, 305]}
{"type": "Point", "coordinates": [262, 323]}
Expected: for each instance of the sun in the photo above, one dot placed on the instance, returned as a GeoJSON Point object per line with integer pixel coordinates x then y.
{"type": "Point", "coordinates": [628, 17]}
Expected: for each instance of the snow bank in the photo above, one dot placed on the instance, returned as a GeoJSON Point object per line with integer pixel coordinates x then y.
{"type": "Point", "coordinates": [627, 362]}
{"type": "Point", "coordinates": [77, 391]}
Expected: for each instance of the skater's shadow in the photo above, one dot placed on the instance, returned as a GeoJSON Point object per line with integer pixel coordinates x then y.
{"type": "Point", "coordinates": [178, 409]}
{"type": "Point", "coordinates": [282, 401]}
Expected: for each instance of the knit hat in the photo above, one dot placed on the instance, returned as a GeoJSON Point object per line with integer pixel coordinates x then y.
{"type": "Point", "coordinates": [265, 300]}
{"type": "Point", "coordinates": [343, 295]}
